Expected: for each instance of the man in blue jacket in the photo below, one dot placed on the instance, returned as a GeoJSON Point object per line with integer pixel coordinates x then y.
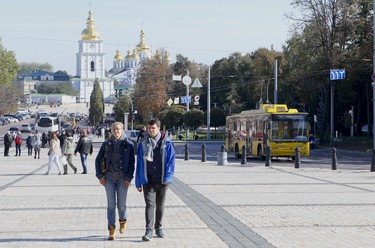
{"type": "Point", "coordinates": [154, 172]}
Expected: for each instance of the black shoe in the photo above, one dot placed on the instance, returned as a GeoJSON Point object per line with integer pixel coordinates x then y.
{"type": "Point", "coordinates": [84, 173]}
{"type": "Point", "coordinates": [35, 157]}
{"type": "Point", "coordinates": [75, 171]}
{"type": "Point", "coordinates": [65, 173]}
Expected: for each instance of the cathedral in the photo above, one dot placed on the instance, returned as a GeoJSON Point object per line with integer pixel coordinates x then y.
{"type": "Point", "coordinates": [90, 65]}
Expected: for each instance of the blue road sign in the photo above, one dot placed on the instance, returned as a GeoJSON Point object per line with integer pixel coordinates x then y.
{"type": "Point", "coordinates": [337, 74]}
{"type": "Point", "coordinates": [185, 99]}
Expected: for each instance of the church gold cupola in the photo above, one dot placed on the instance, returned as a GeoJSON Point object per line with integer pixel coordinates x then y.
{"type": "Point", "coordinates": [90, 33]}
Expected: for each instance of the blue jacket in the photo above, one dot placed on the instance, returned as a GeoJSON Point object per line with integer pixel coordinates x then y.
{"type": "Point", "coordinates": [127, 159]}
{"type": "Point", "coordinates": [167, 157]}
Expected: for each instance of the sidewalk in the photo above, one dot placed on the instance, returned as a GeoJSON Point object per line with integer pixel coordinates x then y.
{"type": "Point", "coordinates": [207, 206]}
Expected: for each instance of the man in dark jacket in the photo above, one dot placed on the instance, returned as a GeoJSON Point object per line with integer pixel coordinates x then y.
{"type": "Point", "coordinates": [84, 147]}
{"type": "Point", "coordinates": [7, 143]}
{"type": "Point", "coordinates": [154, 173]}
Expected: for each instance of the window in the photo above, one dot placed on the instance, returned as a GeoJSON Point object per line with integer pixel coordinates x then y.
{"type": "Point", "coordinates": [92, 66]}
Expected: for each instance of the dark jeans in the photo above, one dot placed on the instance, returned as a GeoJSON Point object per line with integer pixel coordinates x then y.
{"type": "Point", "coordinates": [154, 194]}
{"type": "Point", "coordinates": [6, 150]}
{"type": "Point", "coordinates": [18, 150]}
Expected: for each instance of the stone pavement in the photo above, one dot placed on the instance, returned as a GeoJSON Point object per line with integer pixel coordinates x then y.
{"type": "Point", "coordinates": [207, 206]}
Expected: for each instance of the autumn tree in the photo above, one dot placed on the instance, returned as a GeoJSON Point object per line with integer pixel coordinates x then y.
{"type": "Point", "coordinates": [96, 110]}
{"type": "Point", "coordinates": [154, 78]}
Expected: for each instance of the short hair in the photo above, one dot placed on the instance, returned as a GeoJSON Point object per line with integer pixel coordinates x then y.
{"type": "Point", "coordinates": [117, 123]}
{"type": "Point", "coordinates": [154, 121]}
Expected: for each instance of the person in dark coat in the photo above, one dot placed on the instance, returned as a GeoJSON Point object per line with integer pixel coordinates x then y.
{"type": "Point", "coordinates": [7, 143]}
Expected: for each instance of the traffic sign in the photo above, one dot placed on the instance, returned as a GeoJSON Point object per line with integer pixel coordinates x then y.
{"type": "Point", "coordinates": [337, 74]}
{"type": "Point", "coordinates": [186, 80]}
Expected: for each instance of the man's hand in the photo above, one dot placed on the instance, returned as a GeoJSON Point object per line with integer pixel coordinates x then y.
{"type": "Point", "coordinates": [139, 189]}
{"type": "Point", "coordinates": [164, 183]}
{"type": "Point", "coordinates": [127, 183]}
{"type": "Point", "coordinates": [102, 181]}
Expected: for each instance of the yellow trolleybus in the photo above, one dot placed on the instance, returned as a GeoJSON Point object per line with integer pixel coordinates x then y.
{"type": "Point", "coordinates": [271, 125]}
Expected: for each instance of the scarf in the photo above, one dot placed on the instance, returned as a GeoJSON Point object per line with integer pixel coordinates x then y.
{"type": "Point", "coordinates": [150, 146]}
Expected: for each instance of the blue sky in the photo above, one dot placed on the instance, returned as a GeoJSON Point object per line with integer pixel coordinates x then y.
{"type": "Point", "coordinates": [46, 31]}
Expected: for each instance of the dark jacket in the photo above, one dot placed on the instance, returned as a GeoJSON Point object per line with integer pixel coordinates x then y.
{"type": "Point", "coordinates": [7, 139]}
{"type": "Point", "coordinates": [84, 145]}
{"type": "Point", "coordinates": [127, 159]}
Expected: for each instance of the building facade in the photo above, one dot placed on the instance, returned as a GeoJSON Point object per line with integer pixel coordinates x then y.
{"type": "Point", "coordinates": [90, 65]}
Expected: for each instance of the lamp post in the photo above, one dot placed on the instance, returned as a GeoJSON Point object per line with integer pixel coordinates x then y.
{"type": "Point", "coordinates": [132, 113]}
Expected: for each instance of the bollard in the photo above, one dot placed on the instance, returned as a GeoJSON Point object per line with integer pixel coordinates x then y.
{"type": "Point", "coordinates": [222, 156]}
{"type": "Point", "coordinates": [268, 156]}
{"type": "Point", "coordinates": [334, 159]}
{"type": "Point", "coordinates": [243, 158]}
{"type": "Point", "coordinates": [373, 161]}
{"type": "Point", "coordinates": [297, 158]}
{"type": "Point", "coordinates": [186, 152]}
{"type": "Point", "coordinates": [204, 157]}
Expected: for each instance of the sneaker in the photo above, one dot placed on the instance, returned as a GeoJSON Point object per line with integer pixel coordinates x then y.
{"type": "Point", "coordinates": [65, 173]}
{"type": "Point", "coordinates": [159, 232]}
{"type": "Point", "coordinates": [60, 173]}
{"type": "Point", "coordinates": [75, 171]}
{"type": "Point", "coordinates": [47, 173]}
{"type": "Point", "coordinates": [147, 236]}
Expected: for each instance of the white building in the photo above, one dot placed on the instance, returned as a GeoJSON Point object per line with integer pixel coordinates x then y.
{"type": "Point", "coordinates": [91, 64]}
{"type": "Point", "coordinates": [125, 69]}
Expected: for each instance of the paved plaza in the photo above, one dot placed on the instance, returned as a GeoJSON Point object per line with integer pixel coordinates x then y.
{"type": "Point", "coordinates": [207, 206]}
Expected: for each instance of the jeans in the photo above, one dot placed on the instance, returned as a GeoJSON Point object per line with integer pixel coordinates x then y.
{"type": "Point", "coordinates": [84, 161]}
{"type": "Point", "coordinates": [154, 194]}
{"type": "Point", "coordinates": [115, 189]}
{"type": "Point", "coordinates": [18, 150]}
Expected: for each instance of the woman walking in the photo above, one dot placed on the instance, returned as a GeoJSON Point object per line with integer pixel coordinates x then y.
{"type": "Point", "coordinates": [54, 153]}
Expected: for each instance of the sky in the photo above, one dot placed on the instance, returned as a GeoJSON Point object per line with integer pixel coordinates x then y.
{"type": "Point", "coordinates": [46, 31]}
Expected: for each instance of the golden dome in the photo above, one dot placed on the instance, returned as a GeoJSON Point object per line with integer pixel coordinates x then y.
{"type": "Point", "coordinates": [128, 56]}
{"type": "Point", "coordinates": [117, 56]}
{"type": "Point", "coordinates": [142, 45]}
{"type": "Point", "coordinates": [135, 55]}
{"type": "Point", "coordinates": [90, 33]}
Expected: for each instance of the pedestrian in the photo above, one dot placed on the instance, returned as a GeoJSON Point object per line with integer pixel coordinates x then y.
{"type": "Point", "coordinates": [38, 144]}
{"type": "Point", "coordinates": [18, 141]}
{"type": "Point", "coordinates": [84, 147]}
{"type": "Point", "coordinates": [62, 138]}
{"type": "Point", "coordinates": [141, 134]}
{"type": "Point", "coordinates": [30, 144]}
{"type": "Point", "coordinates": [54, 153]}
{"type": "Point", "coordinates": [154, 173]}
{"type": "Point", "coordinates": [114, 167]}
{"type": "Point", "coordinates": [7, 143]}
{"type": "Point", "coordinates": [44, 139]}
{"type": "Point", "coordinates": [68, 151]}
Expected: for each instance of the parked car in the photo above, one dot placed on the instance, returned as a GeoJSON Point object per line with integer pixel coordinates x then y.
{"type": "Point", "coordinates": [132, 135]}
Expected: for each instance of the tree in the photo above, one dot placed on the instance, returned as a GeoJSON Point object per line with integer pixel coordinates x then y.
{"type": "Point", "coordinates": [154, 77]}
{"type": "Point", "coordinates": [60, 88]}
{"type": "Point", "coordinates": [172, 117]}
{"type": "Point", "coordinates": [122, 106]}
{"type": "Point", "coordinates": [217, 117]}
{"type": "Point", "coordinates": [25, 68]}
{"type": "Point", "coordinates": [96, 110]}
{"type": "Point", "coordinates": [193, 118]}
{"type": "Point", "coordinates": [8, 72]}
